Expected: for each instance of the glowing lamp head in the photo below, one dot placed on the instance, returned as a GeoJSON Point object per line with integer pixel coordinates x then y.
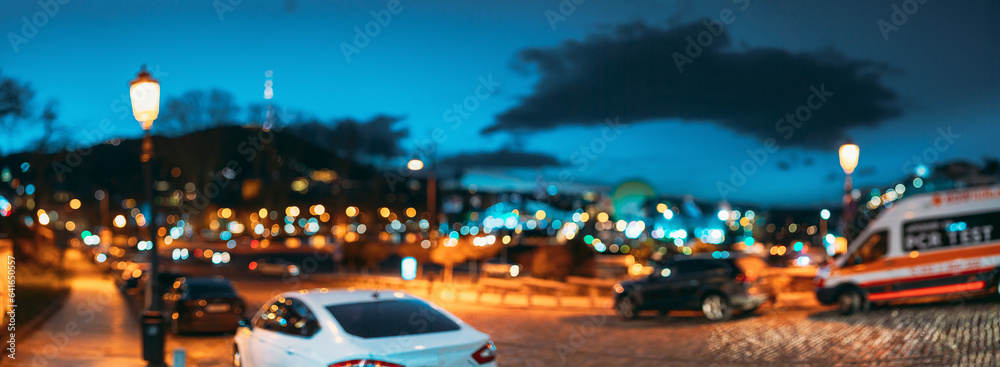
{"type": "Point", "coordinates": [120, 221]}
{"type": "Point", "coordinates": [849, 154]}
{"type": "Point", "coordinates": [415, 165]}
{"type": "Point", "coordinates": [145, 94]}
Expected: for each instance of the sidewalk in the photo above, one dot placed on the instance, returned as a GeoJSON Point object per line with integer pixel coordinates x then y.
{"type": "Point", "coordinates": [94, 327]}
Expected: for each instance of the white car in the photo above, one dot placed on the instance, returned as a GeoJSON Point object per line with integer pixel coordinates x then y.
{"type": "Point", "coordinates": [358, 328]}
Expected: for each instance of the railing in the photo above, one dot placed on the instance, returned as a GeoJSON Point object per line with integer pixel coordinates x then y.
{"type": "Point", "coordinates": [531, 288]}
{"type": "Point", "coordinates": [595, 288]}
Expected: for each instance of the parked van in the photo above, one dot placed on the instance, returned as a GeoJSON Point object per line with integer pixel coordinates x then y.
{"type": "Point", "coordinates": [942, 244]}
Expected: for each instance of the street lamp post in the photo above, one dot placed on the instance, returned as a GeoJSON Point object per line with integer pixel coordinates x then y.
{"type": "Point", "coordinates": [416, 165]}
{"type": "Point", "coordinates": [824, 215]}
{"type": "Point", "coordinates": [849, 154]}
{"type": "Point", "coordinates": [145, 94]}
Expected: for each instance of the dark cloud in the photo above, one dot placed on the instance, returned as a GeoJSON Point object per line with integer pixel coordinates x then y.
{"type": "Point", "coordinates": [377, 138]}
{"type": "Point", "coordinates": [500, 159]}
{"type": "Point", "coordinates": [631, 73]}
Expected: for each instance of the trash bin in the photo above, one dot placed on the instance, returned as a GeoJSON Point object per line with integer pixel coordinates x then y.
{"type": "Point", "coordinates": [152, 337]}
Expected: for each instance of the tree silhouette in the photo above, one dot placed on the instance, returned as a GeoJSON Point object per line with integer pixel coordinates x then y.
{"type": "Point", "coordinates": [15, 100]}
{"type": "Point", "coordinates": [51, 131]}
{"type": "Point", "coordinates": [198, 110]}
{"type": "Point", "coordinates": [479, 253]}
{"type": "Point", "coordinates": [374, 252]}
{"type": "Point", "coordinates": [372, 141]}
{"type": "Point", "coordinates": [447, 257]}
{"type": "Point", "coordinates": [551, 262]}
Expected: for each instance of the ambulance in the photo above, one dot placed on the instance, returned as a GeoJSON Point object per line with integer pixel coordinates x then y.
{"type": "Point", "coordinates": [926, 247]}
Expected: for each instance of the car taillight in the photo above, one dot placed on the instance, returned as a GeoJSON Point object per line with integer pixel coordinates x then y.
{"type": "Point", "coordinates": [365, 363]}
{"type": "Point", "coordinates": [746, 278]}
{"type": "Point", "coordinates": [820, 282]}
{"type": "Point", "coordinates": [488, 353]}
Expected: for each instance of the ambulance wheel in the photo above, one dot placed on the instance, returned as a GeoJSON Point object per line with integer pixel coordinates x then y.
{"type": "Point", "coordinates": [851, 301]}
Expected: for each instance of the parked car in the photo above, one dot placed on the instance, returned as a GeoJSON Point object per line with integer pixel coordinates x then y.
{"type": "Point", "coordinates": [716, 286]}
{"type": "Point", "coordinates": [131, 276]}
{"type": "Point", "coordinates": [274, 266]}
{"type": "Point", "coordinates": [928, 246]}
{"type": "Point", "coordinates": [137, 286]}
{"type": "Point", "coordinates": [350, 328]}
{"type": "Point", "coordinates": [500, 268]}
{"type": "Point", "coordinates": [202, 305]}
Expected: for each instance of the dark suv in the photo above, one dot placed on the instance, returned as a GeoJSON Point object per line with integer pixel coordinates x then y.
{"type": "Point", "coordinates": [714, 286]}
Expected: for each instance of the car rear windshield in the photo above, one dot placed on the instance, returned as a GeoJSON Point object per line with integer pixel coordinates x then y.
{"type": "Point", "coordinates": [213, 289]}
{"type": "Point", "coordinates": [390, 318]}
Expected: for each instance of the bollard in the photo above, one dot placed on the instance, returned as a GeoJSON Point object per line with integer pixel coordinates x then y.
{"type": "Point", "coordinates": [179, 357]}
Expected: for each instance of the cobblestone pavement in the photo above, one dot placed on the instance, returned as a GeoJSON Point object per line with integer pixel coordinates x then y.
{"type": "Point", "coordinates": [959, 333]}
{"type": "Point", "coordinates": [942, 334]}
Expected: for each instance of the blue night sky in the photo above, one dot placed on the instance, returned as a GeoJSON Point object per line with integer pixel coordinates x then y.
{"type": "Point", "coordinates": [938, 70]}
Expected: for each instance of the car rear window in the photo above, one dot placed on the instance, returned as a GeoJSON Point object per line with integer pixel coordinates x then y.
{"type": "Point", "coordinates": [700, 266]}
{"type": "Point", "coordinates": [390, 318]}
{"type": "Point", "coordinates": [203, 289]}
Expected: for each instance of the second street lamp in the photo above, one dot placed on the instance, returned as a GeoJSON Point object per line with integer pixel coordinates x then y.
{"type": "Point", "coordinates": [849, 154]}
{"type": "Point", "coordinates": [416, 165]}
{"type": "Point", "coordinates": [825, 216]}
{"type": "Point", "coordinates": [145, 94]}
